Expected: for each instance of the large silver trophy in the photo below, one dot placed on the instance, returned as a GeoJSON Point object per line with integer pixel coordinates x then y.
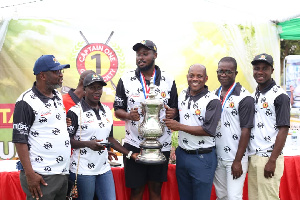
{"type": "Point", "coordinates": [151, 128]}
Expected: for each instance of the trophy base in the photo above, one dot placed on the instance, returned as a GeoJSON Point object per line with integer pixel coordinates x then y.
{"type": "Point", "coordinates": [151, 157]}
{"type": "Point", "coordinates": [151, 153]}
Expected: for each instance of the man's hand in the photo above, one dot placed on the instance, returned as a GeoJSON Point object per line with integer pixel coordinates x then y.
{"type": "Point", "coordinates": [33, 181]}
{"type": "Point", "coordinates": [134, 156]}
{"type": "Point", "coordinates": [269, 169]}
{"type": "Point", "coordinates": [69, 122]}
{"type": "Point", "coordinates": [236, 169]}
{"type": "Point", "coordinates": [112, 155]}
{"type": "Point", "coordinates": [171, 113]}
{"type": "Point", "coordinates": [95, 146]}
{"type": "Point", "coordinates": [172, 124]}
{"type": "Point", "coordinates": [134, 114]}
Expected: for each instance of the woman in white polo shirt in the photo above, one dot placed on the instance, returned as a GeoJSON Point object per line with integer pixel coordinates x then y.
{"type": "Point", "coordinates": [91, 125]}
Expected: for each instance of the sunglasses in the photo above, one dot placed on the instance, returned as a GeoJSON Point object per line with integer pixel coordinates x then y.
{"type": "Point", "coordinates": [57, 72]}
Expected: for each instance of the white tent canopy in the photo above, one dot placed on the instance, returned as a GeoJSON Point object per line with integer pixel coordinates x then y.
{"type": "Point", "coordinates": [152, 11]}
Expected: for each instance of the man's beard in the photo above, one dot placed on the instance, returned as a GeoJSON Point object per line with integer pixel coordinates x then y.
{"type": "Point", "coordinates": [52, 86]}
{"type": "Point", "coordinates": [148, 67]}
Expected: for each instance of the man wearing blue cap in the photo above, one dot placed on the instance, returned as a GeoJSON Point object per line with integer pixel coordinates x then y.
{"type": "Point", "coordinates": [40, 133]}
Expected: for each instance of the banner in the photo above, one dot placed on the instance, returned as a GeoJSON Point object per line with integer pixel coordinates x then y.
{"type": "Point", "coordinates": [106, 47]}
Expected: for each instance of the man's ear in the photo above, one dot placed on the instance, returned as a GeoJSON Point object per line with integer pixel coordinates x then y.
{"type": "Point", "coordinates": [42, 75]}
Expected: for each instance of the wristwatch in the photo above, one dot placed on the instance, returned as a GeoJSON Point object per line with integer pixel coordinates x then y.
{"type": "Point", "coordinates": [129, 155]}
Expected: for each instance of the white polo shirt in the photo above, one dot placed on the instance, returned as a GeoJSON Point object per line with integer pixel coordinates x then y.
{"type": "Point", "coordinates": [238, 113]}
{"type": "Point", "coordinates": [40, 122]}
{"type": "Point", "coordinates": [272, 110]}
{"type": "Point", "coordinates": [129, 94]}
{"type": "Point", "coordinates": [204, 110]}
{"type": "Point", "coordinates": [95, 125]}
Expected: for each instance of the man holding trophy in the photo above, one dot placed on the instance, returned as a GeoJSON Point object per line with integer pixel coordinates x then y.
{"type": "Point", "coordinates": [159, 101]}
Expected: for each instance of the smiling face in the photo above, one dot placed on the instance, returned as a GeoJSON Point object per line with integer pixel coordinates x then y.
{"type": "Point", "coordinates": [93, 93]}
{"type": "Point", "coordinates": [262, 74]}
{"type": "Point", "coordinates": [145, 58]}
{"type": "Point", "coordinates": [226, 74]}
{"type": "Point", "coordinates": [196, 78]}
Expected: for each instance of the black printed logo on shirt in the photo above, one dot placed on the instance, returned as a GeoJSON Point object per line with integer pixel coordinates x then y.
{"type": "Point", "coordinates": [234, 112]}
{"type": "Point", "coordinates": [165, 144]}
{"type": "Point", "coordinates": [186, 116]}
{"type": "Point", "coordinates": [101, 124]}
{"type": "Point", "coordinates": [93, 138]}
{"type": "Point", "coordinates": [268, 112]}
{"type": "Point", "coordinates": [67, 143]}
{"type": "Point", "coordinates": [133, 78]}
{"type": "Point", "coordinates": [201, 142]}
{"type": "Point", "coordinates": [260, 125]}
{"type": "Point", "coordinates": [43, 120]}
{"type": "Point", "coordinates": [91, 165]}
{"type": "Point", "coordinates": [58, 116]}
{"type": "Point", "coordinates": [184, 140]}
{"type": "Point", "coordinates": [47, 169]}
{"type": "Point", "coordinates": [235, 137]}
{"type": "Point", "coordinates": [34, 133]}
{"type": "Point", "coordinates": [267, 138]}
{"type": "Point", "coordinates": [48, 145]}
{"type": "Point", "coordinates": [131, 101]}
{"type": "Point", "coordinates": [218, 135]}
{"type": "Point", "coordinates": [89, 114]}
{"type": "Point", "coordinates": [39, 159]}
{"type": "Point", "coordinates": [100, 152]}
{"type": "Point", "coordinates": [84, 127]}
{"type": "Point", "coordinates": [59, 159]}
{"type": "Point", "coordinates": [56, 131]}
{"type": "Point", "coordinates": [33, 96]}
{"type": "Point", "coordinates": [47, 105]}
{"type": "Point", "coordinates": [227, 149]}
{"type": "Point", "coordinates": [73, 163]}
{"type": "Point", "coordinates": [83, 151]}
{"type": "Point", "coordinates": [133, 123]}
{"type": "Point", "coordinates": [227, 124]}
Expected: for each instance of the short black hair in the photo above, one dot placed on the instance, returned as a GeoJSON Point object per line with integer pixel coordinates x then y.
{"type": "Point", "coordinates": [229, 59]}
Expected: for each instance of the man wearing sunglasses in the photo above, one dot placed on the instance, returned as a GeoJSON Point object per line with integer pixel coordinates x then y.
{"type": "Point", "coordinates": [40, 133]}
{"type": "Point", "coordinates": [233, 132]}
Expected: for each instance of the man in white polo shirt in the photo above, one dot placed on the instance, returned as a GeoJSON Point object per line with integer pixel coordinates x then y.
{"type": "Point", "coordinates": [196, 159]}
{"type": "Point", "coordinates": [268, 135]}
{"type": "Point", "coordinates": [233, 132]}
{"type": "Point", "coordinates": [40, 133]}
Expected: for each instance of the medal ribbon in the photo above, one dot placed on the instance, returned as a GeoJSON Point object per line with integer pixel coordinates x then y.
{"type": "Point", "coordinates": [228, 93]}
{"type": "Point", "coordinates": [146, 88]}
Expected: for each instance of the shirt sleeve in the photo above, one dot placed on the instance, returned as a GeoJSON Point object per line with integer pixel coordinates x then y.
{"type": "Point", "coordinates": [72, 129]}
{"type": "Point", "coordinates": [22, 121]}
{"type": "Point", "coordinates": [282, 108]}
{"type": "Point", "coordinates": [212, 116]}
{"type": "Point", "coordinates": [173, 101]}
{"type": "Point", "coordinates": [121, 98]}
{"type": "Point", "coordinates": [246, 112]}
{"type": "Point", "coordinates": [111, 134]}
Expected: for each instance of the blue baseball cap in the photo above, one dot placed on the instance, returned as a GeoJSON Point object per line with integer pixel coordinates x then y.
{"type": "Point", "coordinates": [47, 63]}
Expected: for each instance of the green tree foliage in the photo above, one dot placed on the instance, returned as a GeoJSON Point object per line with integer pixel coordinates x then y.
{"type": "Point", "coordinates": [288, 47]}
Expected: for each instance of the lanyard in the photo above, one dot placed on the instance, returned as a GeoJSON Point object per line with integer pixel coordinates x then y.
{"type": "Point", "coordinates": [228, 93]}
{"type": "Point", "coordinates": [146, 88]}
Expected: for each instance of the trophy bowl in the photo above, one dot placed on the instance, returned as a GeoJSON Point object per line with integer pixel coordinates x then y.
{"type": "Point", "coordinates": [150, 129]}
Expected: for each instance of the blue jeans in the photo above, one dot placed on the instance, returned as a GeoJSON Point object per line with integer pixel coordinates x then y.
{"type": "Point", "coordinates": [103, 184]}
{"type": "Point", "coordinates": [195, 174]}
